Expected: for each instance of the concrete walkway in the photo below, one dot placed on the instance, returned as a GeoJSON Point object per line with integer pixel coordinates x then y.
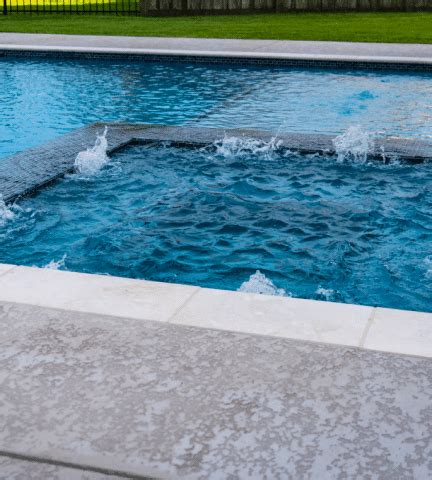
{"type": "Point", "coordinates": [85, 396]}
{"type": "Point", "coordinates": [282, 49]}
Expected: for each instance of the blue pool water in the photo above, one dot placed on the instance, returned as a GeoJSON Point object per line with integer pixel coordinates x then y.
{"type": "Point", "coordinates": [314, 226]}
{"type": "Point", "coordinates": [41, 99]}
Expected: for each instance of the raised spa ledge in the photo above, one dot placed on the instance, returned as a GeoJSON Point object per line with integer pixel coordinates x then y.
{"type": "Point", "coordinates": [32, 169]}
{"type": "Point", "coordinates": [387, 330]}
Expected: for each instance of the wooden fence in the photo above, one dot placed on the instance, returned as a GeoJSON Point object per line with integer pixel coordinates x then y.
{"type": "Point", "coordinates": [211, 7]}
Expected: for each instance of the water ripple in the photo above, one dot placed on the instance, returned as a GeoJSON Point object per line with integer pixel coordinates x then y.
{"type": "Point", "coordinates": [311, 226]}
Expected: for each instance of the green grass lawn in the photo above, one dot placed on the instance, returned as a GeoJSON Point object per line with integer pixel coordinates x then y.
{"type": "Point", "coordinates": [353, 27]}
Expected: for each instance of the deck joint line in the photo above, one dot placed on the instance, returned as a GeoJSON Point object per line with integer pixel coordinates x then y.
{"type": "Point", "coordinates": [75, 466]}
{"type": "Point", "coordinates": [183, 305]}
{"type": "Point", "coordinates": [367, 328]}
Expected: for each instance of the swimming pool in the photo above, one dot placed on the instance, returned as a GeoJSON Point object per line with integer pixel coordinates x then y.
{"type": "Point", "coordinates": [229, 216]}
{"type": "Point", "coordinates": [313, 226]}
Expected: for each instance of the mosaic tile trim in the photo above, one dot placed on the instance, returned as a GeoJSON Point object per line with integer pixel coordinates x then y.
{"type": "Point", "coordinates": [34, 168]}
{"type": "Point", "coordinates": [204, 59]}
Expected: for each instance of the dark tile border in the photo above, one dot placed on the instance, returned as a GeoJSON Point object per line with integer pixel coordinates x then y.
{"type": "Point", "coordinates": [397, 67]}
{"type": "Point", "coordinates": [26, 172]}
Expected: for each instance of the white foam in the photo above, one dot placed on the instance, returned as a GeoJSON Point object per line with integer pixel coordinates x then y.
{"type": "Point", "coordinates": [354, 144]}
{"type": "Point", "coordinates": [259, 283]}
{"type": "Point", "coordinates": [93, 159]}
{"type": "Point", "coordinates": [56, 264]}
{"type": "Point", "coordinates": [325, 293]}
{"type": "Point", "coordinates": [6, 213]}
{"type": "Point", "coordinates": [428, 263]}
{"type": "Point", "coordinates": [234, 147]}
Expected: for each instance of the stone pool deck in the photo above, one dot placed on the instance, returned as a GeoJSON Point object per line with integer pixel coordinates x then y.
{"type": "Point", "coordinates": [104, 377]}
{"type": "Point", "coordinates": [303, 52]}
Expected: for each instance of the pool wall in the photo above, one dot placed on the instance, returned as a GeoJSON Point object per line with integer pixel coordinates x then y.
{"type": "Point", "coordinates": [225, 59]}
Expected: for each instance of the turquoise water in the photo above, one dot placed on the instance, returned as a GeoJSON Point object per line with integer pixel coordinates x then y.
{"type": "Point", "coordinates": [315, 227]}
{"type": "Point", "coordinates": [41, 99]}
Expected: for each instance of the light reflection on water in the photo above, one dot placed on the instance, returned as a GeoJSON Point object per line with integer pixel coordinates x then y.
{"type": "Point", "coordinates": [44, 98]}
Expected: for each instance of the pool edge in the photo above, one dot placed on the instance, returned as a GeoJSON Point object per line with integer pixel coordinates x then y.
{"type": "Point", "coordinates": [228, 57]}
{"type": "Point", "coordinates": [369, 328]}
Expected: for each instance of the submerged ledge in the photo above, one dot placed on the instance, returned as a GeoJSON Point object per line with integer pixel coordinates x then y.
{"type": "Point", "coordinates": [370, 328]}
{"type": "Point", "coordinates": [27, 171]}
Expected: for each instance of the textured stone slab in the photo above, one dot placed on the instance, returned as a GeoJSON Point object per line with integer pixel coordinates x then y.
{"type": "Point", "coordinates": [279, 316]}
{"type": "Point", "coordinates": [31, 169]}
{"type": "Point", "coordinates": [400, 331]}
{"type": "Point", "coordinates": [122, 297]}
{"type": "Point", "coordinates": [149, 398]}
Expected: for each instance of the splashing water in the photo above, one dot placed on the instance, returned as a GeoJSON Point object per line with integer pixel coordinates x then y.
{"type": "Point", "coordinates": [259, 283]}
{"type": "Point", "coordinates": [6, 212]}
{"type": "Point", "coordinates": [56, 264]}
{"type": "Point", "coordinates": [235, 147]}
{"type": "Point", "coordinates": [428, 263]}
{"type": "Point", "coordinates": [93, 159]}
{"type": "Point", "coordinates": [354, 144]}
{"type": "Point", "coordinates": [324, 293]}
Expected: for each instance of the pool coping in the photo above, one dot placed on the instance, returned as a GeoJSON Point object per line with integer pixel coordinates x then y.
{"type": "Point", "coordinates": [401, 57]}
{"type": "Point", "coordinates": [365, 327]}
{"type": "Point", "coordinates": [27, 171]}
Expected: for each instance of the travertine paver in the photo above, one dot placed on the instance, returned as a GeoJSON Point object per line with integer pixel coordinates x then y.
{"type": "Point", "coordinates": [84, 292]}
{"type": "Point", "coordinates": [297, 318]}
{"type": "Point", "coordinates": [150, 398]}
{"type": "Point", "coordinates": [33, 168]}
{"type": "Point", "coordinates": [400, 331]}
